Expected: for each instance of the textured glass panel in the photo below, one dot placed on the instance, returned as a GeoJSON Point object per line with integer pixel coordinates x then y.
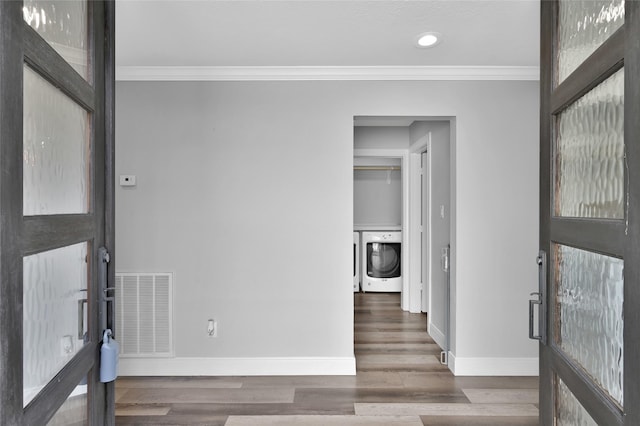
{"type": "Point", "coordinates": [569, 411]}
{"type": "Point", "coordinates": [55, 313]}
{"type": "Point", "coordinates": [589, 314]}
{"type": "Point", "coordinates": [590, 153]}
{"type": "Point", "coordinates": [63, 24]}
{"type": "Point", "coordinates": [56, 150]}
{"type": "Point", "coordinates": [74, 410]}
{"type": "Point", "coordinates": [582, 27]}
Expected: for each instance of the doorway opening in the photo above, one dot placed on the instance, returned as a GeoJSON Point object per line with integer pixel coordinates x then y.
{"type": "Point", "coordinates": [403, 186]}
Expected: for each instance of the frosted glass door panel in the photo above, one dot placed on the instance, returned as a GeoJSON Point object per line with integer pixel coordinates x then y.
{"type": "Point", "coordinates": [55, 313]}
{"type": "Point", "coordinates": [63, 24]}
{"type": "Point", "coordinates": [569, 411]}
{"type": "Point", "coordinates": [56, 150]}
{"type": "Point", "coordinates": [589, 318]}
{"type": "Point", "coordinates": [589, 153]}
{"type": "Point", "coordinates": [582, 27]}
{"type": "Point", "coordinates": [74, 410]}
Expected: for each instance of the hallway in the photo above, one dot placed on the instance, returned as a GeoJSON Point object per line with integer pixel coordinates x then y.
{"type": "Point", "coordinates": [399, 381]}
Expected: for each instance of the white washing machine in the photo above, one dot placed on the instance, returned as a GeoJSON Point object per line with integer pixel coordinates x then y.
{"type": "Point", "coordinates": [382, 261]}
{"type": "Point", "coordinates": [356, 262]}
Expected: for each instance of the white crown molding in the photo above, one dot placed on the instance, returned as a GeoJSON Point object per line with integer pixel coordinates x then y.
{"type": "Point", "coordinates": [371, 73]}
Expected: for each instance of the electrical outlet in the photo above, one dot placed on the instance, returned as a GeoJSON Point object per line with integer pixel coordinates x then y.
{"type": "Point", "coordinates": [66, 345]}
{"type": "Point", "coordinates": [212, 328]}
{"type": "Point", "coordinates": [127, 180]}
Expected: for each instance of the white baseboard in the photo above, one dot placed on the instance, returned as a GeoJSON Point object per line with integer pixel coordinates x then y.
{"type": "Point", "coordinates": [328, 366]}
{"type": "Point", "coordinates": [437, 335]}
{"type": "Point", "coordinates": [461, 366]}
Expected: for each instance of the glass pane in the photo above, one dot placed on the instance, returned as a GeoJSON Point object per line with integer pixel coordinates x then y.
{"type": "Point", "coordinates": [56, 150]}
{"type": "Point", "coordinates": [63, 24]}
{"type": "Point", "coordinates": [589, 316]}
{"type": "Point", "coordinates": [55, 313]}
{"type": "Point", "coordinates": [569, 411]}
{"type": "Point", "coordinates": [589, 153]}
{"type": "Point", "coordinates": [74, 410]}
{"type": "Point", "coordinates": [582, 27]}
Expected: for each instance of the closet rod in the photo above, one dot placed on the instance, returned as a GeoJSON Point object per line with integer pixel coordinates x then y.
{"type": "Point", "coordinates": [383, 168]}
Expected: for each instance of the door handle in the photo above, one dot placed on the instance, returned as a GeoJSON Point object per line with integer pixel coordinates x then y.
{"type": "Point", "coordinates": [103, 260]}
{"type": "Point", "coordinates": [532, 303]}
{"type": "Point", "coordinates": [540, 301]}
{"type": "Point", "coordinates": [81, 303]}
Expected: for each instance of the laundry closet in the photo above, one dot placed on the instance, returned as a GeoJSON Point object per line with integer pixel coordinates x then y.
{"type": "Point", "coordinates": [377, 209]}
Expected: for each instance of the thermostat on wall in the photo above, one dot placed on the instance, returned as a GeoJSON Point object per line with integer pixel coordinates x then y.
{"type": "Point", "coordinates": [127, 180]}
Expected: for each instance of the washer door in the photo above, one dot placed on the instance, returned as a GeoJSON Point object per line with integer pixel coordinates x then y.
{"type": "Point", "coordinates": [383, 260]}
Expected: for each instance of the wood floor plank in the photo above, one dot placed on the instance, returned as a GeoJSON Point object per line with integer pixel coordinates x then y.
{"type": "Point", "coordinates": [141, 410]}
{"type": "Point", "coordinates": [401, 366]}
{"type": "Point", "coordinates": [337, 407]}
{"type": "Point", "coordinates": [446, 409]}
{"type": "Point", "coordinates": [170, 420]}
{"type": "Point", "coordinates": [379, 395]}
{"type": "Point", "coordinates": [414, 379]}
{"type": "Point", "coordinates": [390, 337]}
{"type": "Point", "coordinates": [478, 421]}
{"type": "Point", "coordinates": [438, 381]}
{"type": "Point", "coordinates": [495, 382]}
{"type": "Point", "coordinates": [374, 379]}
{"type": "Point", "coordinates": [382, 359]}
{"type": "Point", "coordinates": [119, 393]}
{"type": "Point", "coordinates": [382, 326]}
{"type": "Point", "coordinates": [194, 395]}
{"type": "Point", "coordinates": [178, 382]}
{"type": "Point", "coordinates": [502, 396]}
{"type": "Point", "coordinates": [431, 348]}
{"type": "Point", "coordinates": [324, 420]}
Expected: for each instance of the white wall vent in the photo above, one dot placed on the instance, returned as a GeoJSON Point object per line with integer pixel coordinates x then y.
{"type": "Point", "coordinates": [144, 314]}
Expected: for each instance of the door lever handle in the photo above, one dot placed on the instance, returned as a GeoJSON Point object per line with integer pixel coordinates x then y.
{"type": "Point", "coordinates": [540, 301]}
{"type": "Point", "coordinates": [81, 304]}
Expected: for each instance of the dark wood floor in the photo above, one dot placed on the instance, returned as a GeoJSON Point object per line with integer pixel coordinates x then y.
{"type": "Point", "coordinates": [399, 381]}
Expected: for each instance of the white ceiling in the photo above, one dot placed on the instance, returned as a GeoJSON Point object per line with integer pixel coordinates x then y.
{"type": "Point", "coordinates": [345, 33]}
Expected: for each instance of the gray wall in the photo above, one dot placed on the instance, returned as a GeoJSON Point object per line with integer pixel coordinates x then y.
{"type": "Point", "coordinates": [377, 199]}
{"type": "Point", "coordinates": [245, 192]}
{"type": "Point", "coordinates": [381, 137]}
{"type": "Point", "coordinates": [377, 195]}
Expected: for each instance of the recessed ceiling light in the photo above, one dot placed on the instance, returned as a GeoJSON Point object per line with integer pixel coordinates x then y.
{"type": "Point", "coordinates": [429, 39]}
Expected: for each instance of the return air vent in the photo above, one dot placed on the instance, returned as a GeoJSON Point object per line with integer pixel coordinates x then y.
{"type": "Point", "coordinates": [144, 314]}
